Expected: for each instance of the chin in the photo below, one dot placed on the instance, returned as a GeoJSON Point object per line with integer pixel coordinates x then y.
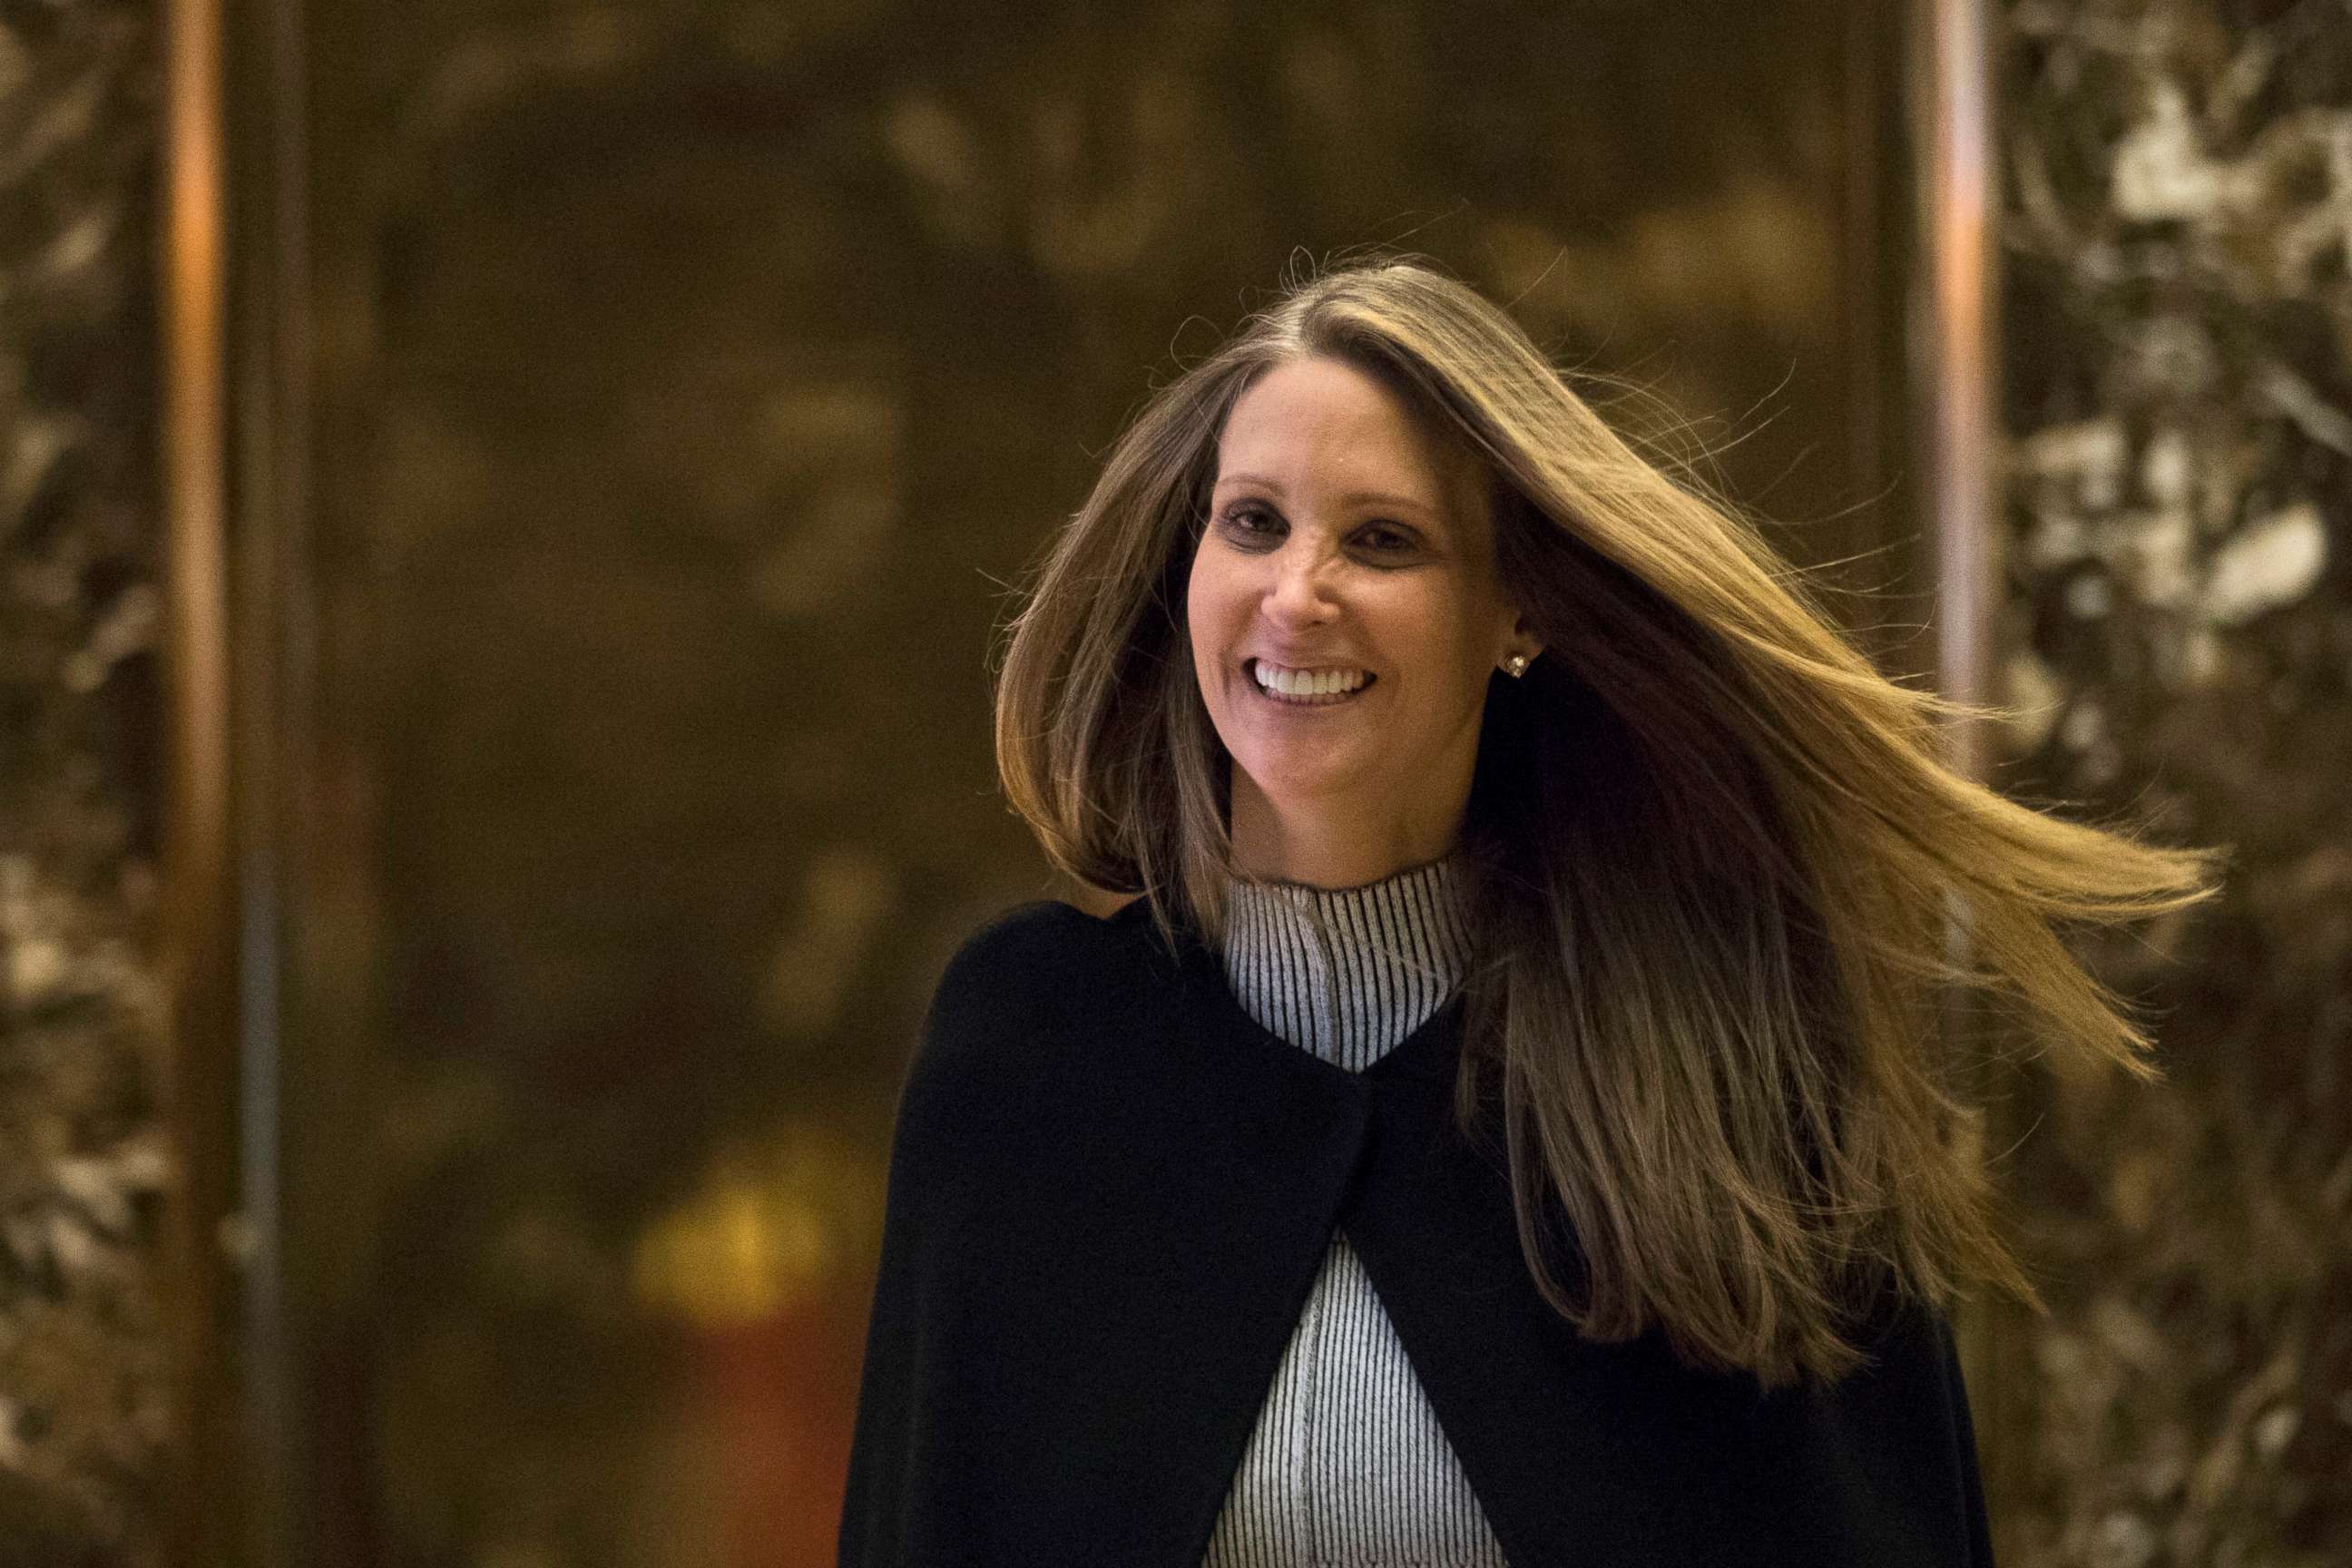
{"type": "Point", "coordinates": [1286, 791]}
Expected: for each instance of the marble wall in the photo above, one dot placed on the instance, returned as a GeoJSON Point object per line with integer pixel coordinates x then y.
{"type": "Point", "coordinates": [2178, 188]}
{"type": "Point", "coordinates": [2178, 399]}
{"type": "Point", "coordinates": [703, 381]}
{"type": "Point", "coordinates": [83, 1412]}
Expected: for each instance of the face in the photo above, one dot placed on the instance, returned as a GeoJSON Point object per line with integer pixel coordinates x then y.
{"type": "Point", "coordinates": [1346, 540]}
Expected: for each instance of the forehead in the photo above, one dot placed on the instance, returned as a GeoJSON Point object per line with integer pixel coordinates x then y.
{"type": "Point", "coordinates": [1324, 423]}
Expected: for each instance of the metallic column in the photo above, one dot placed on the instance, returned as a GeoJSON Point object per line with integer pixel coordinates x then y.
{"type": "Point", "coordinates": [1954, 374]}
{"type": "Point", "coordinates": [232, 441]}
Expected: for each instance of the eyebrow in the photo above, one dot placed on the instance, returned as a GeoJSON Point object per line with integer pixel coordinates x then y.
{"type": "Point", "coordinates": [1353, 498]}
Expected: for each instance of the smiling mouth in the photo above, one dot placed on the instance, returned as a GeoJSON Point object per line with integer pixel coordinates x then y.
{"type": "Point", "coordinates": [1306, 689]}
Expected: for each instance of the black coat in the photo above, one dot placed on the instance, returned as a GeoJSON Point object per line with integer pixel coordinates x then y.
{"type": "Point", "coordinates": [1109, 1193]}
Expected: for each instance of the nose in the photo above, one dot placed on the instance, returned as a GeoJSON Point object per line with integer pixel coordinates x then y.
{"type": "Point", "coordinates": [1298, 596]}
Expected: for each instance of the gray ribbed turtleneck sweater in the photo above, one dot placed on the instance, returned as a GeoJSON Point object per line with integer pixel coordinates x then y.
{"type": "Point", "coordinates": [1347, 1466]}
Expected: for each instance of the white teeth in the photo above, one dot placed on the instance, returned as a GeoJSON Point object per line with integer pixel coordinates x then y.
{"type": "Point", "coordinates": [1307, 683]}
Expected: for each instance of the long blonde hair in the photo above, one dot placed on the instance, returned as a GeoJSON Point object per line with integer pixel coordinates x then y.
{"type": "Point", "coordinates": [1716, 857]}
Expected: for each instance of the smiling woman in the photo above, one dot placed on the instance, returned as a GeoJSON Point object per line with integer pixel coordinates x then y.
{"type": "Point", "coordinates": [1510, 1125]}
{"type": "Point", "coordinates": [1345, 618]}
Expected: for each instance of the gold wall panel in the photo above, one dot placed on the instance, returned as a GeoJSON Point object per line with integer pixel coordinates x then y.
{"type": "Point", "coordinates": [643, 411]}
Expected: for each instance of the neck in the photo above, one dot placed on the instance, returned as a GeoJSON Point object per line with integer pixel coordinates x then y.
{"type": "Point", "coordinates": [1331, 849]}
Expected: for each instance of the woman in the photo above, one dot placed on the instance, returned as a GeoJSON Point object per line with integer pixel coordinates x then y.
{"type": "Point", "coordinates": [1508, 1127]}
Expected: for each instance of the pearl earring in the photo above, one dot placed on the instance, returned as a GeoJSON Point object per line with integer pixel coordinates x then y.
{"type": "Point", "coordinates": [1516, 664]}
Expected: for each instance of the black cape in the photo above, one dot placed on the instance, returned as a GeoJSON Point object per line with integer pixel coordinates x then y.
{"type": "Point", "coordinates": [1109, 1193]}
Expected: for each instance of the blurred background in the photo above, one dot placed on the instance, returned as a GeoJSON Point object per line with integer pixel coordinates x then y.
{"type": "Point", "coordinates": [504, 514]}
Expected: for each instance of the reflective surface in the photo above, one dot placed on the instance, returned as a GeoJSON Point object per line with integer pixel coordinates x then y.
{"type": "Point", "coordinates": [684, 391]}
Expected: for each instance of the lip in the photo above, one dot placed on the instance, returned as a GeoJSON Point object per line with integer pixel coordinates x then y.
{"type": "Point", "coordinates": [1298, 705]}
{"type": "Point", "coordinates": [1323, 669]}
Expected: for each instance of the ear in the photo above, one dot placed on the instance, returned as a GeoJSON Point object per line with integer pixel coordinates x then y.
{"type": "Point", "coordinates": [1522, 640]}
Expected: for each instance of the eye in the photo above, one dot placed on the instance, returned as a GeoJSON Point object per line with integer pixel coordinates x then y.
{"type": "Point", "coordinates": [1251, 520]}
{"type": "Point", "coordinates": [1253, 526]}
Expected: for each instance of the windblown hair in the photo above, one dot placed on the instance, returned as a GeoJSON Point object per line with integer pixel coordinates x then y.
{"type": "Point", "coordinates": [1716, 858]}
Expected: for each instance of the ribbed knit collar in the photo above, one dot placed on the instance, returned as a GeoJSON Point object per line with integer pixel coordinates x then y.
{"type": "Point", "coordinates": [1347, 973]}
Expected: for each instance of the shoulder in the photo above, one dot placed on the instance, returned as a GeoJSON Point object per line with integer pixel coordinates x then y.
{"type": "Point", "coordinates": [1038, 952]}
{"type": "Point", "coordinates": [1023, 1004]}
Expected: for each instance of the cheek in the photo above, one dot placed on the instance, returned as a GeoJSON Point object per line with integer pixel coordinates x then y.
{"type": "Point", "coordinates": [1200, 627]}
{"type": "Point", "coordinates": [1433, 632]}
{"type": "Point", "coordinates": [1210, 596]}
